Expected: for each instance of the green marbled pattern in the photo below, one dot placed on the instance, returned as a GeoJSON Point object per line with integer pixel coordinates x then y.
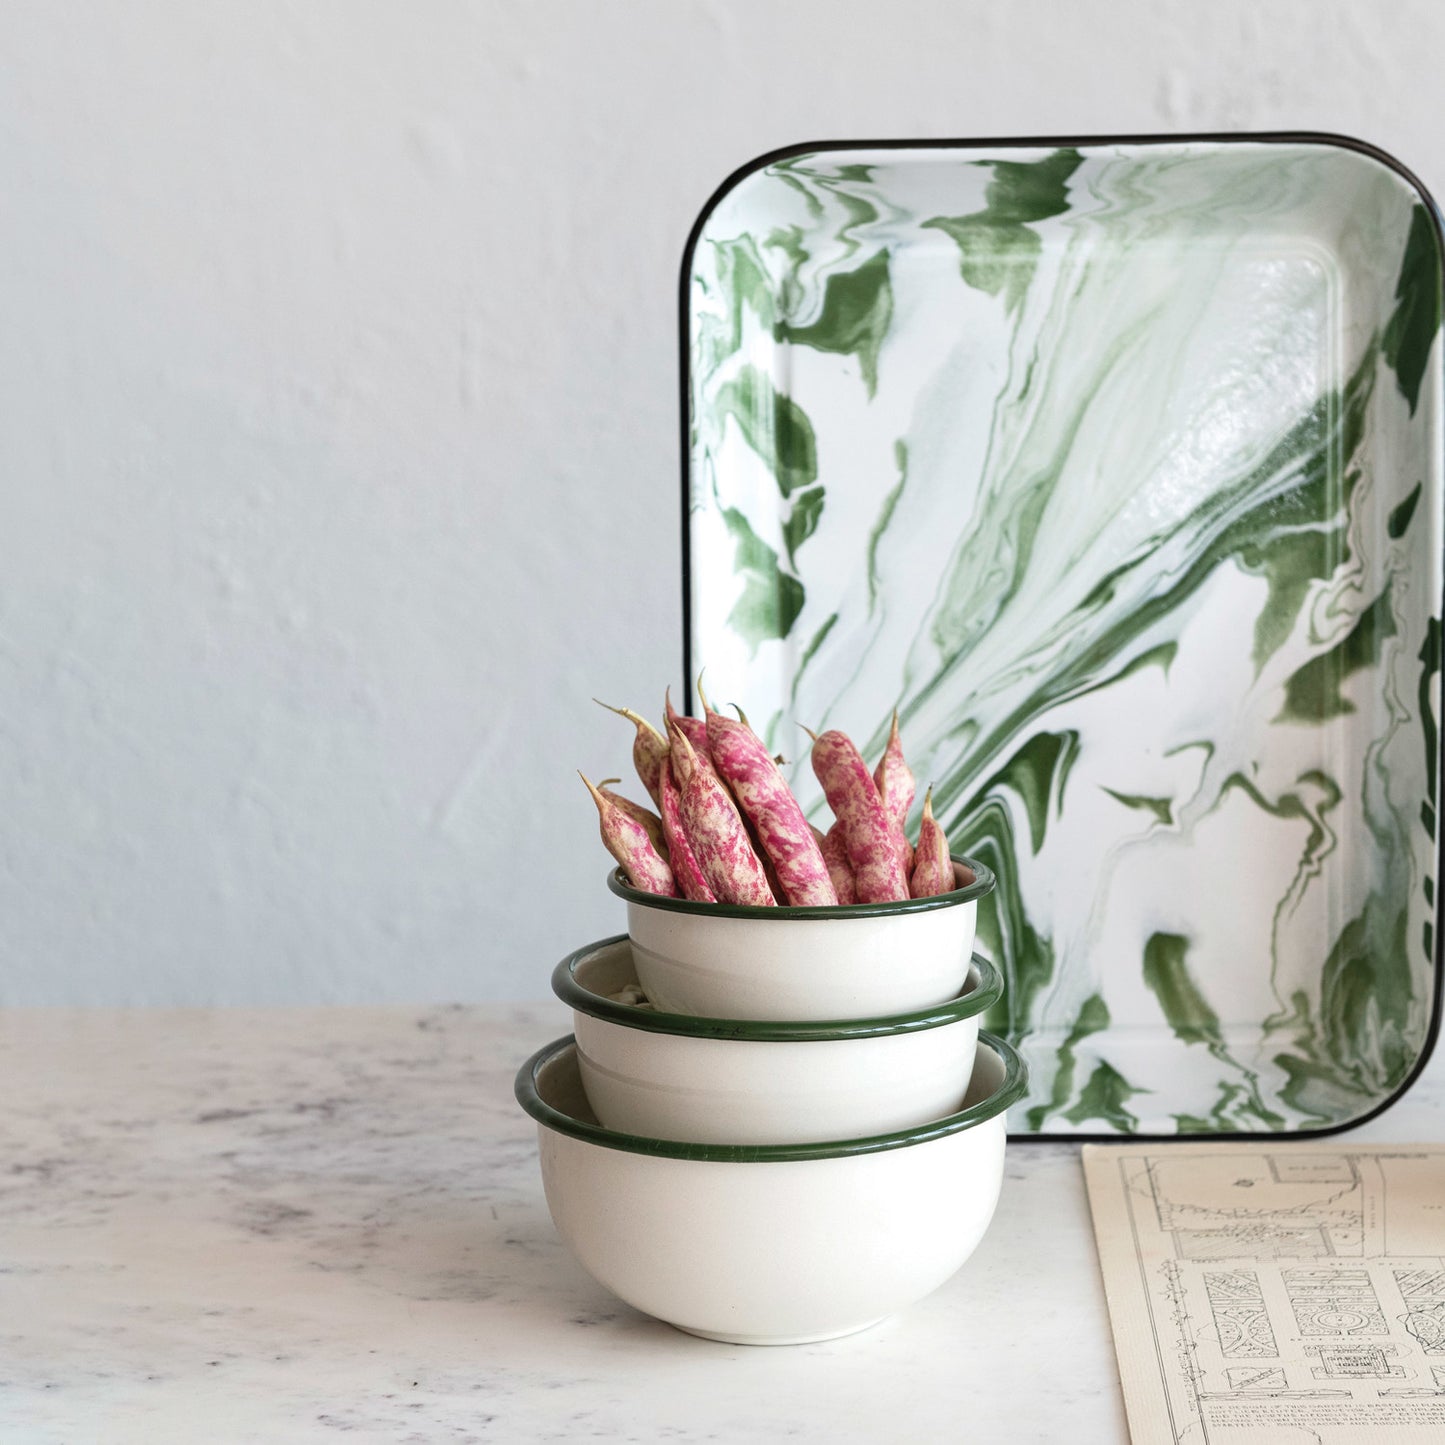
{"type": "Point", "coordinates": [1117, 468]}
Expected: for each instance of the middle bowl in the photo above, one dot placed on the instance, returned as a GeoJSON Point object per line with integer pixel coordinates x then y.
{"type": "Point", "coordinates": [734, 1081]}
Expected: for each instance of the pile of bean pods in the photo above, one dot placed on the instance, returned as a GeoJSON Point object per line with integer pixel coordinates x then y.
{"type": "Point", "coordinates": [728, 829]}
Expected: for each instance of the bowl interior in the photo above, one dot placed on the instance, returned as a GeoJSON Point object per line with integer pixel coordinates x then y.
{"type": "Point", "coordinates": [559, 1084]}
{"type": "Point", "coordinates": [607, 970]}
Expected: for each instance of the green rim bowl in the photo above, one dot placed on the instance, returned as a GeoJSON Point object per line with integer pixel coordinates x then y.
{"type": "Point", "coordinates": [863, 961]}
{"type": "Point", "coordinates": [776, 1081]}
{"type": "Point", "coordinates": [771, 1244]}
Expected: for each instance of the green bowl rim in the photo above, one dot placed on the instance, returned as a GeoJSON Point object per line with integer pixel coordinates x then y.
{"type": "Point", "coordinates": [1015, 1081]}
{"type": "Point", "coordinates": [835, 912]}
{"type": "Point", "coordinates": [583, 1000]}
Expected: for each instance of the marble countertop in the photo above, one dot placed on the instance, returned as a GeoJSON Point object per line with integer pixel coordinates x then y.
{"type": "Point", "coordinates": [296, 1224]}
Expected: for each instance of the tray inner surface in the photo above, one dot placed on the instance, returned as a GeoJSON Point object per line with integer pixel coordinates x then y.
{"type": "Point", "coordinates": [1117, 469]}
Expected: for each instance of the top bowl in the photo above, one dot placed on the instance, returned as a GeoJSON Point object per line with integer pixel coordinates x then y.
{"type": "Point", "coordinates": [719, 960]}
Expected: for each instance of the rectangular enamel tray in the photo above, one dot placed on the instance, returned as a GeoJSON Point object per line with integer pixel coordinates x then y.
{"type": "Point", "coordinates": [1116, 466]}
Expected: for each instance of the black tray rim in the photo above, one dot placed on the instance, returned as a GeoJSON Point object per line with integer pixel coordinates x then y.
{"type": "Point", "coordinates": [1333, 139]}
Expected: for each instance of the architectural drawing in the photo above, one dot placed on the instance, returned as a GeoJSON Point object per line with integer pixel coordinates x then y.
{"type": "Point", "coordinates": [1268, 1289]}
{"type": "Point", "coordinates": [1423, 1291]}
{"type": "Point", "coordinates": [1360, 1362]}
{"type": "Point", "coordinates": [1422, 1391]}
{"type": "Point", "coordinates": [1240, 1318]}
{"type": "Point", "coordinates": [1334, 1302]}
{"type": "Point", "coordinates": [1257, 1377]}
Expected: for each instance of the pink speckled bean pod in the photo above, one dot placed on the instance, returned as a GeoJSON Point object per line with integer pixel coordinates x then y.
{"type": "Point", "coordinates": [694, 729]}
{"type": "Point", "coordinates": [638, 814]}
{"type": "Point", "coordinates": [932, 867]}
{"type": "Point", "coordinates": [782, 831]}
{"type": "Point", "coordinates": [835, 856]}
{"type": "Point", "coordinates": [715, 830]}
{"type": "Point", "coordinates": [685, 866]}
{"type": "Point", "coordinates": [878, 875]}
{"type": "Point", "coordinates": [896, 786]}
{"type": "Point", "coordinates": [649, 747]}
{"type": "Point", "coordinates": [628, 842]}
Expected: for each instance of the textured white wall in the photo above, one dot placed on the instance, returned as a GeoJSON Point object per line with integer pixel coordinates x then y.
{"type": "Point", "coordinates": [339, 433]}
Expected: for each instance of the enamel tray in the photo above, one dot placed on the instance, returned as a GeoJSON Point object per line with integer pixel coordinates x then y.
{"type": "Point", "coordinates": [1116, 466]}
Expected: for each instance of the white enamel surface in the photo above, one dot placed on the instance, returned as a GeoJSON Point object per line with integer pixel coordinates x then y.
{"type": "Point", "coordinates": [800, 968]}
{"type": "Point", "coordinates": [744, 1091]}
{"type": "Point", "coordinates": [774, 1253]}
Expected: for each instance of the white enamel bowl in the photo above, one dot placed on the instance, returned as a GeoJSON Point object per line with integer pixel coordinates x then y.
{"type": "Point", "coordinates": [717, 960]}
{"type": "Point", "coordinates": [771, 1244]}
{"type": "Point", "coordinates": [730, 1081]}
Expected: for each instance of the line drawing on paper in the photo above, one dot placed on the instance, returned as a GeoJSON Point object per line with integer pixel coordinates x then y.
{"type": "Point", "coordinates": [1288, 1288]}
{"type": "Point", "coordinates": [1240, 1316]}
{"type": "Point", "coordinates": [1356, 1362]}
{"type": "Point", "coordinates": [1256, 1377]}
{"type": "Point", "coordinates": [1334, 1302]}
{"type": "Point", "coordinates": [1423, 1291]}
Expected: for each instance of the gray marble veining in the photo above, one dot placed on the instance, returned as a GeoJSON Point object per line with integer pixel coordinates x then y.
{"type": "Point", "coordinates": [304, 1224]}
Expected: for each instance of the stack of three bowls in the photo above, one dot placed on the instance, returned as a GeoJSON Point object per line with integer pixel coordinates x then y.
{"type": "Point", "coordinates": [776, 1125]}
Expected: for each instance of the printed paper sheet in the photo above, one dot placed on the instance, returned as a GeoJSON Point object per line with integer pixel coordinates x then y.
{"type": "Point", "coordinates": [1266, 1294]}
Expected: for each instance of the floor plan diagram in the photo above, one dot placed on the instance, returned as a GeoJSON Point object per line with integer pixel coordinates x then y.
{"type": "Point", "coordinates": [1264, 1293]}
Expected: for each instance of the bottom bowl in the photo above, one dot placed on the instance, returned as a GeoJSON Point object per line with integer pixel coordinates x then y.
{"type": "Point", "coordinates": [771, 1244]}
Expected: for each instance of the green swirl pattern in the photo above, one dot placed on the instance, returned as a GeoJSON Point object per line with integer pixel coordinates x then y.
{"type": "Point", "coordinates": [1117, 469]}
